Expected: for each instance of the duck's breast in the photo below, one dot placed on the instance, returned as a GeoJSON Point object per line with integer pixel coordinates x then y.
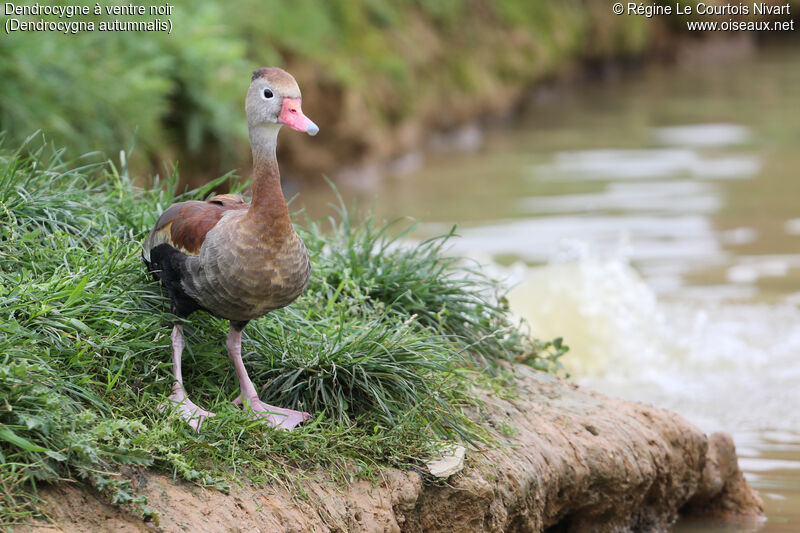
{"type": "Point", "coordinates": [244, 270]}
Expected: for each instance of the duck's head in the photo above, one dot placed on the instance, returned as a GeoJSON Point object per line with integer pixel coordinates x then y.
{"type": "Point", "coordinates": [274, 98]}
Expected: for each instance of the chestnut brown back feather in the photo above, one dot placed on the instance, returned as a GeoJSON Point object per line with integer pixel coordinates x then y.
{"type": "Point", "coordinates": [185, 225]}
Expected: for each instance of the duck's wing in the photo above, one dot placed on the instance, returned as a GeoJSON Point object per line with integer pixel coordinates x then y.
{"type": "Point", "coordinates": [184, 226]}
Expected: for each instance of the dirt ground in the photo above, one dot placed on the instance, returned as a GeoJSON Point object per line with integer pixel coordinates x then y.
{"type": "Point", "coordinates": [578, 462]}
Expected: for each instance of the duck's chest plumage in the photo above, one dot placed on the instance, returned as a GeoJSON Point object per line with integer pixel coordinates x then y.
{"type": "Point", "coordinates": [245, 270]}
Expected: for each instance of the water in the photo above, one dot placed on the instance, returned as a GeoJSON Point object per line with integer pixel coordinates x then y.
{"type": "Point", "coordinates": [654, 222]}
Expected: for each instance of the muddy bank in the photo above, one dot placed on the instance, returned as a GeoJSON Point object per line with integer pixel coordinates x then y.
{"type": "Point", "coordinates": [577, 461]}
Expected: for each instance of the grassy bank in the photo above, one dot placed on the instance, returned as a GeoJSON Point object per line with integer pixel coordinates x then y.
{"type": "Point", "coordinates": [385, 348]}
{"type": "Point", "coordinates": [376, 75]}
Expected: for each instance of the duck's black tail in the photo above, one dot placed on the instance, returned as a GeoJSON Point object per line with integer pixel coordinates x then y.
{"type": "Point", "coordinates": [166, 265]}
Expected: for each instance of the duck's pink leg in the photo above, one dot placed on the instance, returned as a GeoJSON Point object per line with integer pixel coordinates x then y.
{"type": "Point", "coordinates": [275, 416]}
{"type": "Point", "coordinates": [178, 400]}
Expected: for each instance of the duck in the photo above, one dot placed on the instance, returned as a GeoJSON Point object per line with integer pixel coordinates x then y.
{"type": "Point", "coordinates": [236, 260]}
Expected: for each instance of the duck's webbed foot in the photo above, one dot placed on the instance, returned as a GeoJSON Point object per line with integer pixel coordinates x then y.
{"type": "Point", "coordinates": [275, 416]}
{"type": "Point", "coordinates": [186, 408]}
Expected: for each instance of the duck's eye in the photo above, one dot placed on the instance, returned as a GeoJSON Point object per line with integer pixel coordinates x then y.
{"type": "Point", "coordinates": [267, 93]}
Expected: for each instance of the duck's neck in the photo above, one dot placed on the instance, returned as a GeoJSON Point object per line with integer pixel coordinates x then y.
{"type": "Point", "coordinates": [269, 205]}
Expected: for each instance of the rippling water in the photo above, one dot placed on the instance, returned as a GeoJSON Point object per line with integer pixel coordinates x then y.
{"type": "Point", "coordinates": [654, 222]}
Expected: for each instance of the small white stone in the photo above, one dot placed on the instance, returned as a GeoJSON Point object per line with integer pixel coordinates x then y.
{"type": "Point", "coordinates": [451, 461]}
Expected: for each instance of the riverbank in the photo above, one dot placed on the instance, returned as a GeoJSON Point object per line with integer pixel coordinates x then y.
{"type": "Point", "coordinates": [83, 341]}
{"type": "Point", "coordinates": [379, 78]}
{"type": "Point", "coordinates": [386, 348]}
{"type": "Point", "coordinates": [85, 366]}
{"type": "Point", "coordinates": [375, 75]}
{"type": "Point", "coordinates": [660, 208]}
{"type": "Point", "coordinates": [575, 461]}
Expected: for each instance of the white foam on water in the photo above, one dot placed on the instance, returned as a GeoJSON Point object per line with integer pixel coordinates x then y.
{"type": "Point", "coordinates": [736, 167]}
{"type": "Point", "coordinates": [739, 236]}
{"type": "Point", "coordinates": [749, 269]}
{"type": "Point", "coordinates": [702, 135]}
{"type": "Point", "coordinates": [654, 163]}
{"type": "Point", "coordinates": [793, 226]}
{"type": "Point", "coordinates": [676, 196]}
{"type": "Point", "coordinates": [676, 238]}
{"type": "Point", "coordinates": [723, 366]}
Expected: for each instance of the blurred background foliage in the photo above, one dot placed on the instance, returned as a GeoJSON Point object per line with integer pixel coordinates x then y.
{"type": "Point", "coordinates": [376, 74]}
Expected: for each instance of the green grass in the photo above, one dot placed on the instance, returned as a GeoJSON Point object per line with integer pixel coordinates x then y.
{"type": "Point", "coordinates": [384, 348]}
{"type": "Point", "coordinates": [368, 65]}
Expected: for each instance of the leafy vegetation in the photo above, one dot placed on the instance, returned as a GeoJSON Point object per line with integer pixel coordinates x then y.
{"type": "Point", "coordinates": [384, 348]}
{"type": "Point", "coordinates": [371, 62]}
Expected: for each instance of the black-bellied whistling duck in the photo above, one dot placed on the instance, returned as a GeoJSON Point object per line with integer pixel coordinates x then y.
{"type": "Point", "coordinates": [234, 260]}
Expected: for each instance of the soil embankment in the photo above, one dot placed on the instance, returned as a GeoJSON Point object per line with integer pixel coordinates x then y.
{"type": "Point", "coordinates": [577, 461]}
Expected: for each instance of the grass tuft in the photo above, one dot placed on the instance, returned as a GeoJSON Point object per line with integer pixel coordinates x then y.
{"type": "Point", "coordinates": [384, 348]}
